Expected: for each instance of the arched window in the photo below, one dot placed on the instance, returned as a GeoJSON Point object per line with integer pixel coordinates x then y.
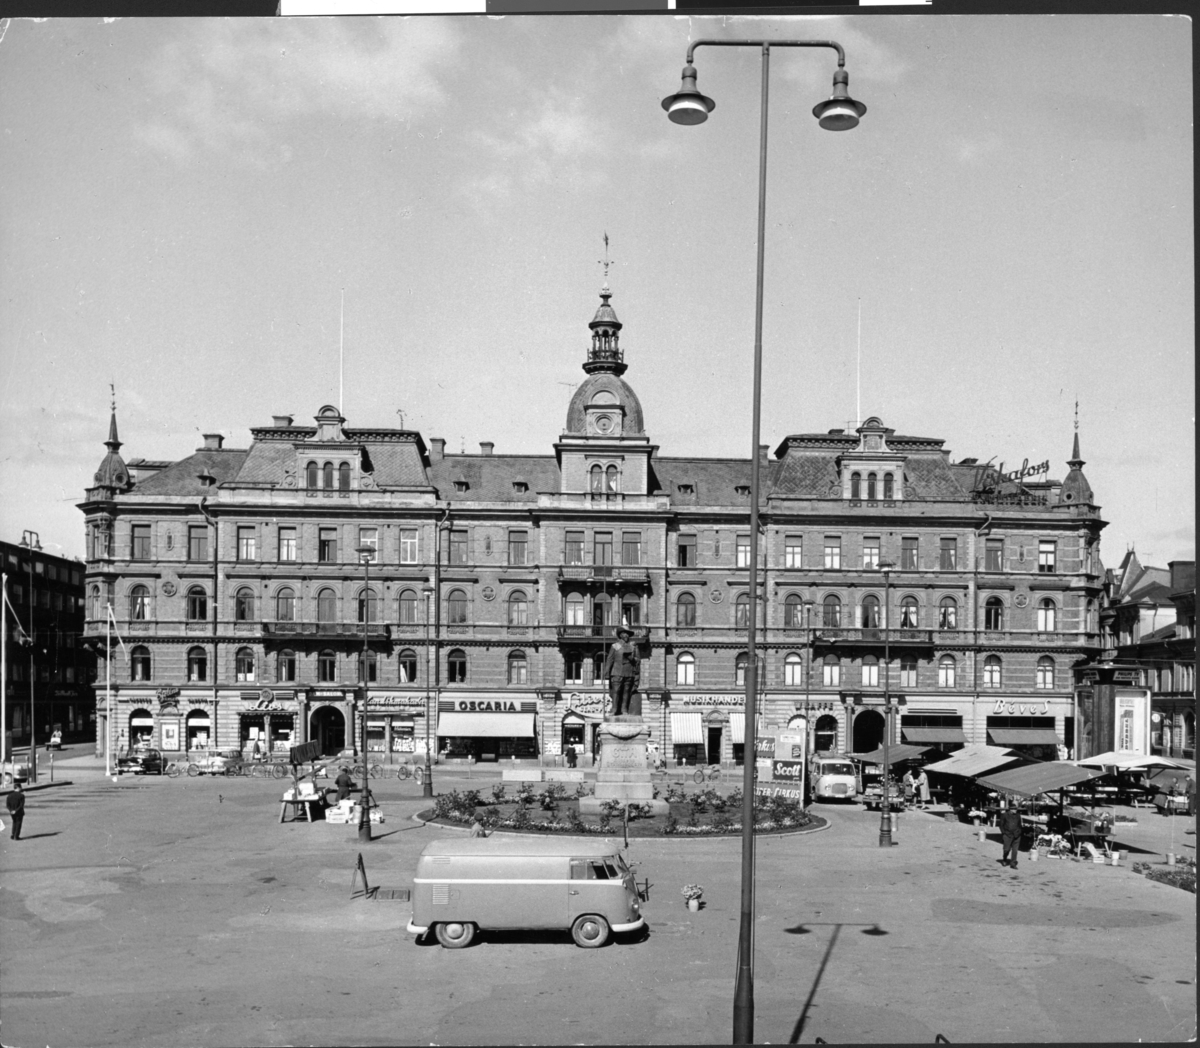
{"type": "Point", "coordinates": [631, 611]}
{"type": "Point", "coordinates": [327, 606]}
{"type": "Point", "coordinates": [456, 667]}
{"type": "Point", "coordinates": [597, 477]}
{"type": "Point", "coordinates": [368, 606]}
{"type": "Point", "coordinates": [139, 663]}
{"type": "Point", "coordinates": [327, 476]}
{"type": "Point", "coordinates": [889, 486]}
{"type": "Point", "coordinates": [740, 662]}
{"type": "Point", "coordinates": [1045, 672]}
{"type": "Point", "coordinates": [948, 614]}
{"type": "Point", "coordinates": [946, 670]}
{"type": "Point", "coordinates": [456, 608]}
{"type": "Point", "coordinates": [793, 613]}
{"type": "Point", "coordinates": [285, 667]}
{"type": "Point", "coordinates": [97, 608]}
{"type": "Point", "coordinates": [243, 605]}
{"type": "Point", "coordinates": [1046, 616]}
{"type": "Point", "coordinates": [407, 662]}
{"type": "Point", "coordinates": [406, 603]}
{"type": "Point", "coordinates": [870, 671]}
{"type": "Point", "coordinates": [139, 604]}
{"type": "Point", "coordinates": [326, 667]}
{"type": "Point", "coordinates": [856, 485]}
{"type": "Point", "coordinates": [574, 609]}
{"type": "Point", "coordinates": [685, 668]}
{"type": "Point", "coordinates": [993, 614]}
{"type": "Point", "coordinates": [685, 610]}
{"type": "Point", "coordinates": [831, 612]}
{"type": "Point", "coordinates": [908, 671]}
{"type": "Point", "coordinates": [312, 475]}
{"type": "Point", "coordinates": [344, 477]}
{"type": "Point", "coordinates": [611, 483]}
{"type": "Point", "coordinates": [197, 665]}
{"type": "Point", "coordinates": [197, 604]}
{"type": "Point", "coordinates": [793, 670]}
{"type": "Point", "coordinates": [870, 613]}
{"type": "Point", "coordinates": [871, 487]}
{"type": "Point", "coordinates": [244, 664]}
{"type": "Point", "coordinates": [285, 605]}
{"type": "Point", "coordinates": [831, 672]}
{"type": "Point", "coordinates": [518, 609]}
{"type": "Point", "coordinates": [368, 667]}
{"type": "Point", "coordinates": [909, 613]}
{"type": "Point", "coordinates": [741, 611]}
{"type": "Point", "coordinates": [991, 671]}
{"type": "Point", "coordinates": [518, 668]}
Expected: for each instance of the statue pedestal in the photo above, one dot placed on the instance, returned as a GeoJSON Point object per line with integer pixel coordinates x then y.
{"type": "Point", "coordinates": [624, 774]}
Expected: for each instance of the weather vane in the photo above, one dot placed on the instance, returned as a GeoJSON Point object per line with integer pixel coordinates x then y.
{"type": "Point", "coordinates": [1076, 414]}
{"type": "Point", "coordinates": [113, 390]}
{"type": "Point", "coordinates": [605, 261]}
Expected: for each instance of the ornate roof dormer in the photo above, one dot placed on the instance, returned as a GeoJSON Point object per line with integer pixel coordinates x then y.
{"type": "Point", "coordinates": [1075, 488]}
{"type": "Point", "coordinates": [604, 355]}
{"type": "Point", "coordinates": [604, 405]}
{"type": "Point", "coordinates": [113, 474]}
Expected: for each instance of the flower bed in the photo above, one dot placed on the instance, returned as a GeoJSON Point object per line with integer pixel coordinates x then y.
{"type": "Point", "coordinates": [701, 813]}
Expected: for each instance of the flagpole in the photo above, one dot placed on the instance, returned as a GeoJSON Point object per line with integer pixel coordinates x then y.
{"type": "Point", "coordinates": [108, 692]}
{"type": "Point", "coordinates": [3, 673]}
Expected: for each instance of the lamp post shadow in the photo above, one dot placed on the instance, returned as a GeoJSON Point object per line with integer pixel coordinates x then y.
{"type": "Point", "coordinates": [805, 928]}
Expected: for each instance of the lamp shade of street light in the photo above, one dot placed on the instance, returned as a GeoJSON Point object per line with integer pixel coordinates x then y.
{"type": "Point", "coordinates": [839, 112]}
{"type": "Point", "coordinates": [688, 105]}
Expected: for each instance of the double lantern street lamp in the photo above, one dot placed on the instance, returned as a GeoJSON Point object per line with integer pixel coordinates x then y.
{"type": "Point", "coordinates": [885, 818]}
{"type": "Point", "coordinates": [366, 554]}
{"type": "Point", "coordinates": [838, 113]}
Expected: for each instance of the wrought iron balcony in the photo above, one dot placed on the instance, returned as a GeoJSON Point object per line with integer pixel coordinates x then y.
{"type": "Point", "coordinates": [325, 630]}
{"type": "Point", "coordinates": [601, 573]}
{"type": "Point", "coordinates": [599, 634]}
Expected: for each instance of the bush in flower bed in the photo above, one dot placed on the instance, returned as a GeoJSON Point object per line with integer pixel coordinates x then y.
{"type": "Point", "coordinates": [1182, 875]}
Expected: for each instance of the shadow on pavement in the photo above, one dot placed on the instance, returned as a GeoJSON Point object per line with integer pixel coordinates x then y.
{"type": "Point", "coordinates": [805, 929]}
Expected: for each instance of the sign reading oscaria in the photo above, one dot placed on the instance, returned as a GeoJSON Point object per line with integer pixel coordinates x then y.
{"type": "Point", "coordinates": [486, 706]}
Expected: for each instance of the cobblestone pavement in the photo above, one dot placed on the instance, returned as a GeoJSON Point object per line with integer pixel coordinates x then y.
{"type": "Point", "coordinates": [158, 911]}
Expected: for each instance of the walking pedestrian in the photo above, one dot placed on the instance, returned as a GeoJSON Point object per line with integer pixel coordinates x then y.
{"type": "Point", "coordinates": [1010, 834]}
{"type": "Point", "coordinates": [16, 809]}
{"type": "Point", "coordinates": [343, 783]}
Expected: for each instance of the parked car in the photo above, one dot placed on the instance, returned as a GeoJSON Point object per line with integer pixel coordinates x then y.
{"type": "Point", "coordinates": [142, 761]}
{"type": "Point", "coordinates": [222, 762]}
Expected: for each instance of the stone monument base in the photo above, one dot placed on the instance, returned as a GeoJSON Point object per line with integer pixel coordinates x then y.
{"type": "Point", "coordinates": [624, 774]}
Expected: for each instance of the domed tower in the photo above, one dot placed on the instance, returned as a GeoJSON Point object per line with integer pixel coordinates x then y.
{"type": "Point", "coordinates": [112, 477]}
{"type": "Point", "coordinates": [1075, 488]}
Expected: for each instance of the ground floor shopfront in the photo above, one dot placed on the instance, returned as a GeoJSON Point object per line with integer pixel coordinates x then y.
{"type": "Point", "coordinates": [69, 709]}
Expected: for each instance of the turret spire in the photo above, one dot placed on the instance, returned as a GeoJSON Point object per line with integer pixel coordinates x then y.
{"type": "Point", "coordinates": [605, 353]}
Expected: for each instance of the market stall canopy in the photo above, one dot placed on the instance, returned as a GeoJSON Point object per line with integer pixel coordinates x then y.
{"type": "Point", "coordinates": [974, 760]}
{"type": "Point", "coordinates": [1034, 779]}
{"type": "Point", "coordinates": [896, 754]}
{"type": "Point", "coordinates": [1024, 737]}
{"type": "Point", "coordinates": [686, 729]}
{"type": "Point", "coordinates": [490, 725]}
{"type": "Point", "coordinates": [933, 735]}
{"type": "Point", "coordinates": [1128, 761]}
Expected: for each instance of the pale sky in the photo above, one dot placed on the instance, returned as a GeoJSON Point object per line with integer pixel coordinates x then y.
{"type": "Point", "coordinates": [184, 201]}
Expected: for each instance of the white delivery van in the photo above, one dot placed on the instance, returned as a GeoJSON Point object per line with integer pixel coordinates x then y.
{"type": "Point", "coordinates": [476, 883]}
{"type": "Point", "coordinates": [832, 778]}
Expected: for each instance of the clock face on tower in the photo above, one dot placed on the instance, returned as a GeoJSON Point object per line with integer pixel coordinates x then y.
{"type": "Point", "coordinates": [604, 423]}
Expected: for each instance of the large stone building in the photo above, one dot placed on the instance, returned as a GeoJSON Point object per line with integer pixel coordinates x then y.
{"type": "Point", "coordinates": [493, 583]}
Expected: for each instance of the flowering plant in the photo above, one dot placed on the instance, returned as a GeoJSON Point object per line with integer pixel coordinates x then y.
{"type": "Point", "coordinates": [692, 891]}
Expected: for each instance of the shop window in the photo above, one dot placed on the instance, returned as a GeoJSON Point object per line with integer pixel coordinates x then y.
{"type": "Point", "coordinates": [327, 545]}
{"type": "Point", "coordinates": [1047, 556]}
{"type": "Point", "coordinates": [518, 609]}
{"type": "Point", "coordinates": [740, 662]}
{"type": "Point", "coordinates": [456, 608]}
{"type": "Point", "coordinates": [909, 613]}
{"type": "Point", "coordinates": [407, 607]}
{"type": "Point", "coordinates": [285, 667]}
{"type": "Point", "coordinates": [856, 485]}
{"type": "Point", "coordinates": [831, 612]}
{"type": "Point", "coordinates": [326, 667]}
{"type": "Point", "coordinates": [685, 611]}
{"type": "Point", "coordinates": [1045, 672]}
{"type": "Point", "coordinates": [456, 667]}
{"type": "Point", "coordinates": [407, 664]}
{"type": "Point", "coordinates": [991, 671]}
{"type": "Point", "coordinates": [327, 606]}
{"type": "Point", "coordinates": [197, 665]}
{"type": "Point", "coordinates": [793, 670]}
{"type": "Point", "coordinates": [831, 672]}
{"type": "Point", "coordinates": [139, 664]}
{"type": "Point", "coordinates": [574, 613]}
{"type": "Point", "coordinates": [197, 605]}
{"type": "Point", "coordinates": [287, 544]}
{"type": "Point", "coordinates": [139, 604]}
{"type": "Point", "coordinates": [833, 552]}
{"type": "Point", "coordinates": [793, 608]}
{"type": "Point", "coordinates": [344, 476]}
{"type": "Point", "coordinates": [518, 668]}
{"type": "Point", "coordinates": [368, 606]}
{"type": "Point", "coordinates": [946, 671]}
{"type": "Point", "coordinates": [197, 542]}
{"type": "Point", "coordinates": [870, 671]}
{"type": "Point", "coordinates": [889, 486]}
{"type": "Point", "coordinates": [368, 661]}
{"type": "Point", "coordinates": [908, 672]}
{"type": "Point", "coordinates": [948, 614]}
{"type": "Point", "coordinates": [908, 553]}
{"type": "Point", "coordinates": [993, 614]}
{"type": "Point", "coordinates": [741, 611]}
{"type": "Point", "coordinates": [685, 669]}
{"type": "Point", "coordinates": [1046, 616]}
{"type": "Point", "coordinates": [243, 605]}
{"type": "Point", "coordinates": [870, 613]}
{"type": "Point", "coordinates": [244, 664]}
{"type": "Point", "coordinates": [408, 546]}
{"type": "Point", "coordinates": [285, 605]}
{"type": "Point", "coordinates": [686, 551]}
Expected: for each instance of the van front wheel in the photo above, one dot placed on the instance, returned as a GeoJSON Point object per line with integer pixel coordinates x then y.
{"type": "Point", "coordinates": [590, 931]}
{"type": "Point", "coordinates": [454, 935]}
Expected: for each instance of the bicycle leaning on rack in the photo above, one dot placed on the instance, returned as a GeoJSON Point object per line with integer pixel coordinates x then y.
{"type": "Point", "coordinates": [712, 773]}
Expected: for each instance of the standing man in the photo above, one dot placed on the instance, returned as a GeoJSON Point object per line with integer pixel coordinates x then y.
{"type": "Point", "coordinates": [343, 783]}
{"type": "Point", "coordinates": [16, 809]}
{"type": "Point", "coordinates": [1010, 834]}
{"type": "Point", "coordinates": [622, 667]}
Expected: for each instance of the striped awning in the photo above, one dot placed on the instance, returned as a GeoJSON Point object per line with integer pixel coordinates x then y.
{"type": "Point", "coordinates": [487, 725]}
{"type": "Point", "coordinates": [1024, 737]}
{"type": "Point", "coordinates": [933, 735]}
{"type": "Point", "coordinates": [737, 728]}
{"type": "Point", "coordinates": [686, 728]}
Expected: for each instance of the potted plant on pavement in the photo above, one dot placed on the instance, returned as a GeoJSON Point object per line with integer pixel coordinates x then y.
{"type": "Point", "coordinates": [692, 893]}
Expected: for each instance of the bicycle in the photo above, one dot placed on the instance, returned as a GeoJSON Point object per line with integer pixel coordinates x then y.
{"type": "Point", "coordinates": [712, 773]}
{"type": "Point", "coordinates": [175, 768]}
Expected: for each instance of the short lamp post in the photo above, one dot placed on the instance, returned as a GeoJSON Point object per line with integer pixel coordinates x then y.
{"type": "Point", "coordinates": [32, 543]}
{"type": "Point", "coordinates": [365, 554]}
{"type": "Point", "coordinates": [427, 785]}
{"type": "Point", "coordinates": [839, 113]}
{"type": "Point", "coordinates": [885, 818]}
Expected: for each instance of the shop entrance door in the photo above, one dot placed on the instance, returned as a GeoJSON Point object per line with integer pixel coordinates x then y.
{"type": "Point", "coordinates": [714, 745]}
{"type": "Point", "coordinates": [868, 731]}
{"type": "Point", "coordinates": [327, 728]}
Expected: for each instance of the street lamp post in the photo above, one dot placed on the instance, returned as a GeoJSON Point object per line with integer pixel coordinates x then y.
{"type": "Point", "coordinates": [364, 814]}
{"type": "Point", "coordinates": [427, 785]}
{"type": "Point", "coordinates": [838, 113]}
{"type": "Point", "coordinates": [30, 541]}
{"type": "Point", "coordinates": [885, 819]}
{"type": "Point", "coordinates": [810, 744]}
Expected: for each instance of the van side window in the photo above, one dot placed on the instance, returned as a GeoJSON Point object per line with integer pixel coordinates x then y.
{"type": "Point", "coordinates": [597, 871]}
{"type": "Point", "coordinates": [578, 870]}
{"type": "Point", "coordinates": [612, 871]}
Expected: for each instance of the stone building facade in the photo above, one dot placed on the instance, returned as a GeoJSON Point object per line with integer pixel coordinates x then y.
{"type": "Point", "coordinates": [484, 588]}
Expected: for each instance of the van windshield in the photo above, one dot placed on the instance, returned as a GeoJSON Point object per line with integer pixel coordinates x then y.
{"type": "Point", "coordinates": [837, 769]}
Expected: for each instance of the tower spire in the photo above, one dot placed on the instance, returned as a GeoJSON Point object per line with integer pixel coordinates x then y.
{"type": "Point", "coordinates": [113, 443]}
{"type": "Point", "coordinates": [605, 353]}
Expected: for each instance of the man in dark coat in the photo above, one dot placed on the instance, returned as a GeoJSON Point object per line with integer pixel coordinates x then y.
{"type": "Point", "coordinates": [622, 668]}
{"type": "Point", "coordinates": [1010, 834]}
{"type": "Point", "coordinates": [16, 809]}
{"type": "Point", "coordinates": [343, 783]}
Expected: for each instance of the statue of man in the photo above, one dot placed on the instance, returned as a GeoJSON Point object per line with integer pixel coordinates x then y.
{"type": "Point", "coordinates": [622, 667]}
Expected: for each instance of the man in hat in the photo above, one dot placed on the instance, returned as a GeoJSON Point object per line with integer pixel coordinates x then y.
{"type": "Point", "coordinates": [16, 809]}
{"type": "Point", "coordinates": [622, 667]}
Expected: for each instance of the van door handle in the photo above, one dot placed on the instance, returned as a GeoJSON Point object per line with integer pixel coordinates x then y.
{"type": "Point", "coordinates": [572, 892]}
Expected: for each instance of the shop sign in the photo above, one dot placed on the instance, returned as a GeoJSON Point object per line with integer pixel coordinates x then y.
{"type": "Point", "coordinates": [587, 703]}
{"type": "Point", "coordinates": [1126, 676]}
{"type": "Point", "coordinates": [328, 694]}
{"type": "Point", "coordinates": [780, 791]}
{"type": "Point", "coordinates": [268, 705]}
{"type": "Point", "coordinates": [787, 771]}
{"type": "Point", "coordinates": [486, 706]}
{"type": "Point", "coordinates": [392, 702]}
{"type": "Point", "coordinates": [1021, 708]}
{"type": "Point", "coordinates": [764, 747]}
{"type": "Point", "coordinates": [737, 701]}
{"type": "Point", "coordinates": [166, 693]}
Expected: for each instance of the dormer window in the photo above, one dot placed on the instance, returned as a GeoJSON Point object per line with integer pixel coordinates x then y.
{"type": "Point", "coordinates": [520, 487]}
{"type": "Point", "coordinates": [461, 485]}
{"type": "Point", "coordinates": [742, 491]}
{"type": "Point", "coordinates": [687, 489]}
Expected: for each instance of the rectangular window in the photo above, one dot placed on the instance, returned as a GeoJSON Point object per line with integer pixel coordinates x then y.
{"type": "Point", "coordinates": [793, 548]}
{"type": "Point", "coordinates": [833, 551]}
{"type": "Point", "coordinates": [327, 551]}
{"type": "Point", "coordinates": [198, 542]}
{"type": "Point", "coordinates": [831, 674]}
{"type": "Point", "coordinates": [631, 548]}
{"type": "Point", "coordinates": [870, 552]}
{"type": "Point", "coordinates": [870, 674]}
{"type": "Point", "coordinates": [573, 668]}
{"type": "Point", "coordinates": [458, 547]}
{"type": "Point", "coordinates": [1047, 556]}
{"type": "Point", "coordinates": [908, 553]}
{"type": "Point", "coordinates": [602, 548]}
{"type": "Point", "coordinates": [247, 542]}
{"type": "Point", "coordinates": [573, 551]}
{"type": "Point", "coordinates": [948, 554]}
{"type": "Point", "coordinates": [518, 545]}
{"type": "Point", "coordinates": [408, 546]}
{"type": "Point", "coordinates": [287, 543]}
{"type": "Point", "coordinates": [743, 551]}
{"type": "Point", "coordinates": [993, 555]}
{"type": "Point", "coordinates": [687, 551]}
{"type": "Point", "coordinates": [908, 673]}
{"type": "Point", "coordinates": [141, 542]}
{"type": "Point", "coordinates": [368, 538]}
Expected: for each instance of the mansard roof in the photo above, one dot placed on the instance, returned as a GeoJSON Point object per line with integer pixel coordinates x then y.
{"type": "Point", "coordinates": [183, 477]}
{"type": "Point", "coordinates": [713, 481]}
{"type": "Point", "coordinates": [491, 478]}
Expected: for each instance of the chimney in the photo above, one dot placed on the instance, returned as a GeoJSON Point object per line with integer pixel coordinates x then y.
{"type": "Point", "coordinates": [764, 452]}
{"type": "Point", "coordinates": [437, 449]}
{"type": "Point", "coordinates": [212, 442]}
{"type": "Point", "coordinates": [485, 447]}
{"type": "Point", "coordinates": [281, 420]}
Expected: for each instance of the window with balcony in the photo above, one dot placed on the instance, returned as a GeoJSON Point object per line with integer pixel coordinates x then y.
{"type": "Point", "coordinates": [456, 608]}
{"type": "Point", "coordinates": [686, 551]}
{"type": "Point", "coordinates": [908, 672]}
{"type": "Point", "coordinates": [991, 671]}
{"type": "Point", "coordinates": [458, 546]}
{"type": "Point", "coordinates": [197, 665]}
{"type": "Point", "coordinates": [327, 545]}
{"type": "Point", "coordinates": [631, 548]}
{"type": "Point", "coordinates": [406, 664]}
{"type": "Point", "coordinates": [1045, 673]}
{"type": "Point", "coordinates": [602, 548]}
{"type": "Point", "coordinates": [993, 555]}
{"type": "Point", "coordinates": [406, 607]}
{"type": "Point", "coordinates": [456, 667]}
{"type": "Point", "coordinates": [743, 551]}
{"type": "Point", "coordinates": [685, 669]}
{"type": "Point", "coordinates": [908, 553]}
{"type": "Point", "coordinates": [285, 605]}
{"type": "Point", "coordinates": [909, 613]}
{"type": "Point", "coordinates": [948, 554]}
{"type": "Point", "coordinates": [368, 606]}
{"type": "Point", "coordinates": [831, 672]}
{"type": "Point", "coordinates": [140, 547]}
{"type": "Point", "coordinates": [948, 614]}
{"type": "Point", "coordinates": [946, 671]}
{"type": "Point", "coordinates": [870, 671]}
{"type": "Point", "coordinates": [518, 546]}
{"type": "Point", "coordinates": [197, 542]}
{"type": "Point", "coordinates": [518, 609]}
{"type": "Point", "coordinates": [368, 538]}
{"type": "Point", "coordinates": [833, 551]}
{"type": "Point", "coordinates": [1047, 556]}
{"type": "Point", "coordinates": [1047, 616]}
{"type": "Point", "coordinates": [285, 667]}
{"type": "Point", "coordinates": [831, 612]}
{"type": "Point", "coordinates": [287, 544]}
{"type": "Point", "coordinates": [247, 542]}
{"type": "Point", "coordinates": [518, 668]}
{"type": "Point", "coordinates": [870, 613]}
{"type": "Point", "coordinates": [326, 667]}
{"type": "Point", "coordinates": [793, 612]}
{"type": "Point", "coordinates": [631, 611]}
{"type": "Point", "coordinates": [740, 662]}
{"type": "Point", "coordinates": [408, 545]}
{"type": "Point", "coordinates": [244, 665]}
{"type": "Point", "coordinates": [573, 610]}
{"type": "Point", "coordinates": [793, 670]}
{"type": "Point", "coordinates": [243, 605]}
{"type": "Point", "coordinates": [793, 550]}
{"type": "Point", "coordinates": [197, 605]}
{"type": "Point", "coordinates": [993, 614]}
{"type": "Point", "coordinates": [573, 548]}
{"type": "Point", "coordinates": [327, 606]}
{"type": "Point", "coordinates": [685, 610]}
{"type": "Point", "coordinates": [139, 663]}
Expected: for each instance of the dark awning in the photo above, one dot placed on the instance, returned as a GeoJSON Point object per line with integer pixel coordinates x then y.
{"type": "Point", "coordinates": [1024, 737]}
{"type": "Point", "coordinates": [933, 735]}
{"type": "Point", "coordinates": [896, 754]}
{"type": "Point", "coordinates": [1035, 779]}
